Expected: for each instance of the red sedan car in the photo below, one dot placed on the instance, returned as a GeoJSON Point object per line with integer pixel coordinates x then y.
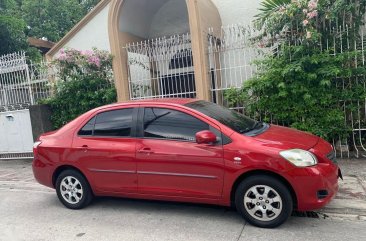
{"type": "Point", "coordinates": [187, 150]}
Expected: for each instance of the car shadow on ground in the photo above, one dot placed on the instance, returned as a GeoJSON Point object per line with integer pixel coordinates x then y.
{"type": "Point", "coordinates": [181, 210]}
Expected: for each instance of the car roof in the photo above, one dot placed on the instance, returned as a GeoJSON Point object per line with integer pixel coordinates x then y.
{"type": "Point", "coordinates": [178, 101]}
{"type": "Point", "coordinates": [173, 101]}
{"type": "Point", "coordinates": [170, 101]}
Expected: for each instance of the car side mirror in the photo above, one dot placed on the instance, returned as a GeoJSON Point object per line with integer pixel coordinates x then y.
{"type": "Point", "coordinates": [205, 137]}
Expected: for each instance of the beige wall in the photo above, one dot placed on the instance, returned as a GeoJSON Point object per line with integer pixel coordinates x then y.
{"type": "Point", "coordinates": [201, 15]}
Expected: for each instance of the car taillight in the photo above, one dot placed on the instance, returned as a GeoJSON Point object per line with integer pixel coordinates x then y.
{"type": "Point", "coordinates": [36, 144]}
{"type": "Point", "coordinates": [35, 148]}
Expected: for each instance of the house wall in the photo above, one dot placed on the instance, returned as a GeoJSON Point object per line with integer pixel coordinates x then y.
{"type": "Point", "coordinates": [93, 34]}
{"type": "Point", "coordinates": [171, 18]}
{"type": "Point", "coordinates": [237, 11]}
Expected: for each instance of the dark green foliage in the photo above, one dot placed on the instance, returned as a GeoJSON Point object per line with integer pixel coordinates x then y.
{"type": "Point", "coordinates": [50, 19]}
{"type": "Point", "coordinates": [85, 82]}
{"type": "Point", "coordinates": [76, 97]}
{"type": "Point", "coordinates": [315, 80]}
{"type": "Point", "coordinates": [305, 93]}
{"type": "Point", "coordinates": [12, 36]}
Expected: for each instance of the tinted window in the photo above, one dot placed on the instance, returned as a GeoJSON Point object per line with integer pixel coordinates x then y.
{"type": "Point", "coordinates": [114, 123]}
{"type": "Point", "coordinates": [87, 130]}
{"type": "Point", "coordinates": [171, 124]}
{"type": "Point", "coordinates": [236, 121]}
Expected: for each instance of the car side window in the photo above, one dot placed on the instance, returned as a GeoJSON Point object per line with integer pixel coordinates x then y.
{"type": "Point", "coordinates": [116, 123]}
{"type": "Point", "coordinates": [163, 123]}
{"type": "Point", "coordinates": [87, 130]}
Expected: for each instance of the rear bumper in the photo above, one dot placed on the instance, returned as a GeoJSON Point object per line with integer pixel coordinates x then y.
{"type": "Point", "coordinates": [42, 173]}
{"type": "Point", "coordinates": [315, 186]}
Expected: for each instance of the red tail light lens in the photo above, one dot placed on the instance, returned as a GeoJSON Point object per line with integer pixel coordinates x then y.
{"type": "Point", "coordinates": [35, 148]}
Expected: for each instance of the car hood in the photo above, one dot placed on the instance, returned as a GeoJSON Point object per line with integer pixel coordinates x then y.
{"type": "Point", "coordinates": [287, 138]}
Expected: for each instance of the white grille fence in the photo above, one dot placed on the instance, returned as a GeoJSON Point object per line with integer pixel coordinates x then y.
{"type": "Point", "coordinates": [161, 68]}
{"type": "Point", "coordinates": [232, 52]}
{"type": "Point", "coordinates": [22, 84]}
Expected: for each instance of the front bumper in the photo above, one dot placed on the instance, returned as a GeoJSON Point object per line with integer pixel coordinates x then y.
{"type": "Point", "coordinates": [315, 186]}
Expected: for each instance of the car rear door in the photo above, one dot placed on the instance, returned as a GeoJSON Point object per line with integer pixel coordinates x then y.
{"type": "Point", "coordinates": [170, 162]}
{"type": "Point", "coordinates": [105, 148]}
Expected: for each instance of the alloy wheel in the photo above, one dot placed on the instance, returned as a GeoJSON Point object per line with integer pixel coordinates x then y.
{"type": "Point", "coordinates": [71, 190]}
{"type": "Point", "coordinates": [263, 203]}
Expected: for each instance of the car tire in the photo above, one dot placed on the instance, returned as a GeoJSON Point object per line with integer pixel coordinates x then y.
{"type": "Point", "coordinates": [263, 201]}
{"type": "Point", "coordinates": [73, 190]}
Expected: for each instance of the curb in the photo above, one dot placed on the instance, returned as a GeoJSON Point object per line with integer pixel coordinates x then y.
{"type": "Point", "coordinates": [346, 209]}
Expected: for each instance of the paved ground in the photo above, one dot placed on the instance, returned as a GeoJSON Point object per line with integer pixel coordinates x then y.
{"type": "Point", "coordinates": [29, 211]}
{"type": "Point", "coordinates": [351, 198]}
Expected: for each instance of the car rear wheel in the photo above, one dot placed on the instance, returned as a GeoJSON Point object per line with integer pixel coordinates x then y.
{"type": "Point", "coordinates": [73, 190]}
{"type": "Point", "coordinates": [263, 201]}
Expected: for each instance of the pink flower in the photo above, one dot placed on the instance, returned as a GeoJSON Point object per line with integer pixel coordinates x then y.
{"type": "Point", "coordinates": [308, 35]}
{"type": "Point", "coordinates": [313, 4]}
{"type": "Point", "coordinates": [312, 14]}
{"type": "Point", "coordinates": [62, 56]}
{"type": "Point", "coordinates": [87, 52]}
{"type": "Point", "coordinates": [305, 22]}
{"type": "Point", "coordinates": [94, 60]}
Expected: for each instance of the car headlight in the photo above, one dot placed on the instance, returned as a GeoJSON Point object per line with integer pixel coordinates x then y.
{"type": "Point", "coordinates": [299, 158]}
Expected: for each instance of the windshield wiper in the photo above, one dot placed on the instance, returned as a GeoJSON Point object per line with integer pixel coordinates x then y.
{"type": "Point", "coordinates": [255, 126]}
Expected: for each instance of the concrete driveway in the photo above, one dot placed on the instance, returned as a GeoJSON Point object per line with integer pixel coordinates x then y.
{"type": "Point", "coordinates": [29, 211]}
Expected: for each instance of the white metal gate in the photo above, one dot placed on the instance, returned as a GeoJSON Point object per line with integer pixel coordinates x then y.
{"type": "Point", "coordinates": [161, 68]}
{"type": "Point", "coordinates": [16, 139]}
{"type": "Point", "coordinates": [21, 85]}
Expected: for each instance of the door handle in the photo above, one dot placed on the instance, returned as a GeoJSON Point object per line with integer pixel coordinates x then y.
{"type": "Point", "coordinates": [85, 147]}
{"type": "Point", "coordinates": [145, 150]}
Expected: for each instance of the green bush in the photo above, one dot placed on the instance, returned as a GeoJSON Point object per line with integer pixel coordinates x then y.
{"type": "Point", "coordinates": [313, 81]}
{"type": "Point", "coordinates": [85, 82]}
{"type": "Point", "coordinates": [302, 93]}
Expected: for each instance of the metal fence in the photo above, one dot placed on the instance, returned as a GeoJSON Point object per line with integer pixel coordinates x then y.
{"type": "Point", "coordinates": [231, 55]}
{"type": "Point", "coordinates": [161, 68]}
{"type": "Point", "coordinates": [22, 84]}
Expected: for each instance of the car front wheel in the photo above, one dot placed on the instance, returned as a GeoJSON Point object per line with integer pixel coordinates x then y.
{"type": "Point", "coordinates": [73, 190]}
{"type": "Point", "coordinates": [263, 201]}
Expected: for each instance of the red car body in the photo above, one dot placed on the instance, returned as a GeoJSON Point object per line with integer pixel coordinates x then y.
{"type": "Point", "coordinates": [145, 168]}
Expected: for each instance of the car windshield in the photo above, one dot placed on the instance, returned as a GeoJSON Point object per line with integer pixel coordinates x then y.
{"type": "Point", "coordinates": [236, 121]}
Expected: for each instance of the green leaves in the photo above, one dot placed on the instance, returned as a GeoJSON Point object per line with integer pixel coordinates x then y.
{"type": "Point", "coordinates": [306, 95]}
{"type": "Point", "coordinates": [12, 36]}
{"type": "Point", "coordinates": [269, 7]}
{"type": "Point", "coordinates": [314, 81]}
{"type": "Point", "coordinates": [53, 19]}
{"type": "Point", "coordinates": [50, 19]}
{"type": "Point", "coordinates": [88, 83]}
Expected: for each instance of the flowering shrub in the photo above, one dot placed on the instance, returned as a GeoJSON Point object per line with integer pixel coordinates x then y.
{"type": "Point", "coordinates": [308, 83]}
{"type": "Point", "coordinates": [85, 81]}
{"type": "Point", "coordinates": [72, 63]}
{"type": "Point", "coordinates": [307, 20]}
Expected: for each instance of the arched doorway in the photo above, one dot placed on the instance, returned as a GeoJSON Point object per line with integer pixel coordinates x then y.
{"type": "Point", "coordinates": [159, 47]}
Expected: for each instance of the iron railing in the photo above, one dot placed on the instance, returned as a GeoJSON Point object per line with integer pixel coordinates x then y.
{"type": "Point", "coordinates": [22, 84]}
{"type": "Point", "coordinates": [161, 68]}
{"type": "Point", "coordinates": [232, 52]}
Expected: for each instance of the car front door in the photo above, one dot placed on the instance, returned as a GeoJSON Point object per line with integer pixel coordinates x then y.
{"type": "Point", "coordinates": [105, 148]}
{"type": "Point", "coordinates": [170, 162]}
